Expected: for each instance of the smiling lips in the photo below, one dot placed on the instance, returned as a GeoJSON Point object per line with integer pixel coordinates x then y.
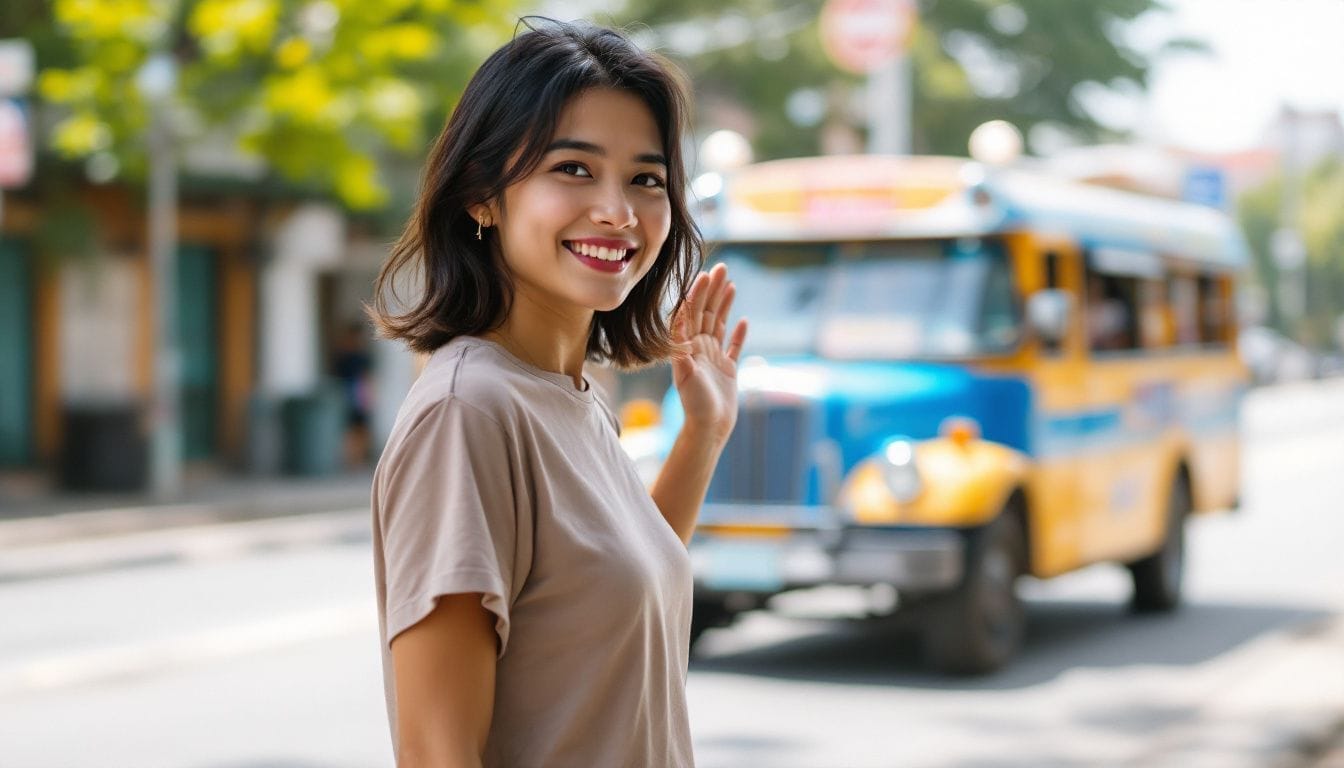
{"type": "Point", "coordinates": [601, 254]}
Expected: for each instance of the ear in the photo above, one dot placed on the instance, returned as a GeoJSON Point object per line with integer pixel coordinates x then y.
{"type": "Point", "coordinates": [485, 213]}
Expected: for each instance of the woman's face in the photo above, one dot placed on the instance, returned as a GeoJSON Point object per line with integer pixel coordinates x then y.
{"type": "Point", "coordinates": [581, 230]}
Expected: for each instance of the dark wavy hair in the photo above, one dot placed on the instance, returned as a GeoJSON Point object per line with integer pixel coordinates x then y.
{"type": "Point", "coordinates": [510, 110]}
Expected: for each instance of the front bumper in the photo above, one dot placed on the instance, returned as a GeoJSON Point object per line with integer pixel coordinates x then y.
{"type": "Point", "coordinates": [770, 558]}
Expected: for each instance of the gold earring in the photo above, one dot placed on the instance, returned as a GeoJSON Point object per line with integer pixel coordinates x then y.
{"type": "Point", "coordinates": [478, 229]}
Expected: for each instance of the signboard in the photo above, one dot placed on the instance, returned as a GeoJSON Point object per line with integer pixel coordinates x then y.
{"type": "Point", "coordinates": [862, 35]}
{"type": "Point", "coordinates": [1206, 185]}
{"type": "Point", "coordinates": [16, 66]}
{"type": "Point", "coordinates": [16, 155]}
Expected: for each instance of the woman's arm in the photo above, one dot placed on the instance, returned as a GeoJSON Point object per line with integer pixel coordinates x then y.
{"type": "Point", "coordinates": [444, 670]}
{"type": "Point", "coordinates": [705, 375]}
{"type": "Point", "coordinates": [681, 485]}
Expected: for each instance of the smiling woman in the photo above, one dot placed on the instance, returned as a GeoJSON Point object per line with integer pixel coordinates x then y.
{"type": "Point", "coordinates": [529, 586]}
{"type": "Point", "coordinates": [527, 125]}
{"type": "Point", "coordinates": [582, 230]}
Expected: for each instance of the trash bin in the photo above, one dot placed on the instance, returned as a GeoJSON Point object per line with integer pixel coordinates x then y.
{"type": "Point", "coordinates": [262, 452]}
{"type": "Point", "coordinates": [314, 427]}
{"type": "Point", "coordinates": [104, 447]}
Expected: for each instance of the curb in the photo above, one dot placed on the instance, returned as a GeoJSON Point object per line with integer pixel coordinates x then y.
{"type": "Point", "coordinates": [47, 554]}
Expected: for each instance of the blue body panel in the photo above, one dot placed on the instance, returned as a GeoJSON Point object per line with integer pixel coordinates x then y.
{"type": "Point", "coordinates": [861, 405]}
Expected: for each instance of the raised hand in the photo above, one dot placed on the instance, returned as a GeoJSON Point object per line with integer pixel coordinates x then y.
{"type": "Point", "coordinates": [705, 372]}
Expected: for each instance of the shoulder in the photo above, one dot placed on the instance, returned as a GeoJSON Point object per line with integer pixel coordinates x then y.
{"type": "Point", "coordinates": [454, 388]}
{"type": "Point", "coordinates": [472, 374]}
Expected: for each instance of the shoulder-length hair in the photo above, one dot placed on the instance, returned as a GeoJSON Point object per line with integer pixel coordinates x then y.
{"type": "Point", "coordinates": [509, 110]}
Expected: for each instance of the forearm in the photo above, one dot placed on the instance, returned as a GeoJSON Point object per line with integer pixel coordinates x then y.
{"type": "Point", "coordinates": [680, 488]}
{"type": "Point", "coordinates": [415, 756]}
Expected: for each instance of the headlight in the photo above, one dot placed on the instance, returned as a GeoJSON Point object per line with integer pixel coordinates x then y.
{"type": "Point", "coordinates": [900, 472]}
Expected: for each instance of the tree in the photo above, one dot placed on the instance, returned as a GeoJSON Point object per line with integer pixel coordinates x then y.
{"type": "Point", "coordinates": [1320, 221]}
{"type": "Point", "coordinates": [1031, 62]}
{"type": "Point", "coordinates": [323, 91]}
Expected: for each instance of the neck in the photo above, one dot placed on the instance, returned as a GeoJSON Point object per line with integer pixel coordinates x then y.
{"type": "Point", "coordinates": [548, 339]}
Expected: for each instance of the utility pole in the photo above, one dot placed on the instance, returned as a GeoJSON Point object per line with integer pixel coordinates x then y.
{"type": "Point", "coordinates": [157, 81]}
{"type": "Point", "coordinates": [1287, 249]}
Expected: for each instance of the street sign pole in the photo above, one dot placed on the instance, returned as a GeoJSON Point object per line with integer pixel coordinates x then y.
{"type": "Point", "coordinates": [889, 108]}
{"type": "Point", "coordinates": [871, 38]}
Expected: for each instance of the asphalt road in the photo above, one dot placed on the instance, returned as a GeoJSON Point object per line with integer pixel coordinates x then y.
{"type": "Point", "coordinates": [242, 657]}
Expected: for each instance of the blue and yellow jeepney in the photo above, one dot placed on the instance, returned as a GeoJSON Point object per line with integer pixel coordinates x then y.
{"type": "Point", "coordinates": [957, 376]}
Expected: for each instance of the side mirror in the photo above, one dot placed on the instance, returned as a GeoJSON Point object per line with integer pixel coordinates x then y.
{"type": "Point", "coordinates": [1048, 314]}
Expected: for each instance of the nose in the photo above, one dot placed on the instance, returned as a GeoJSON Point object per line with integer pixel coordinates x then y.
{"type": "Point", "coordinates": [612, 208]}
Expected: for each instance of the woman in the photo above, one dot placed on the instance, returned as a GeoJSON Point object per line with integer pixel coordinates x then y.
{"type": "Point", "coordinates": [534, 597]}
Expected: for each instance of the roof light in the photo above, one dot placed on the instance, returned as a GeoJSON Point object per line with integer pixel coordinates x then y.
{"type": "Point", "coordinates": [961, 430]}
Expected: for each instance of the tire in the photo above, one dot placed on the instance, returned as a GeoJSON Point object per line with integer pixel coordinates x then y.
{"type": "Point", "coordinates": [1158, 577]}
{"type": "Point", "coordinates": [979, 627]}
{"type": "Point", "coordinates": [707, 614]}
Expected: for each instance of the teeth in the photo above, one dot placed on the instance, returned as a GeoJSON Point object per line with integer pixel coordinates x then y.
{"type": "Point", "coordinates": [596, 252]}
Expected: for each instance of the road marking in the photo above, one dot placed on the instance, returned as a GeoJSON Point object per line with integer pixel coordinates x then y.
{"type": "Point", "coordinates": [189, 649]}
{"type": "Point", "coordinates": [195, 543]}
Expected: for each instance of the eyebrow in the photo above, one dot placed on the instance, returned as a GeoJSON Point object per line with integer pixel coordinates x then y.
{"type": "Point", "coordinates": [591, 148]}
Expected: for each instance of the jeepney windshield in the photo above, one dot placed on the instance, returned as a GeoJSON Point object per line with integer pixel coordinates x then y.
{"type": "Point", "coordinates": [875, 300]}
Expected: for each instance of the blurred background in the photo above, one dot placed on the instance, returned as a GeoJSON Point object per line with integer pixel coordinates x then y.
{"type": "Point", "coordinates": [195, 196]}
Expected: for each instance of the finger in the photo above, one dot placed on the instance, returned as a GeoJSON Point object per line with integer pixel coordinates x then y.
{"type": "Point", "coordinates": [725, 308]}
{"type": "Point", "coordinates": [739, 338]}
{"type": "Point", "coordinates": [718, 282]}
{"type": "Point", "coordinates": [695, 304]}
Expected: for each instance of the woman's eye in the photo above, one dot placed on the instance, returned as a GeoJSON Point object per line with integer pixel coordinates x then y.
{"type": "Point", "coordinates": [649, 180]}
{"type": "Point", "coordinates": [572, 169]}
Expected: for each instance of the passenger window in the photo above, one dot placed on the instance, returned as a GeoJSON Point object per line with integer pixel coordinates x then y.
{"type": "Point", "coordinates": [1156, 324]}
{"type": "Point", "coordinates": [1111, 312]}
{"type": "Point", "coordinates": [1053, 281]}
{"type": "Point", "coordinates": [1185, 309]}
{"type": "Point", "coordinates": [1215, 319]}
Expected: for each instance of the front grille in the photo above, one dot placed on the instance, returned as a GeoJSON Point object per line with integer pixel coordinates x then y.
{"type": "Point", "coordinates": [764, 459]}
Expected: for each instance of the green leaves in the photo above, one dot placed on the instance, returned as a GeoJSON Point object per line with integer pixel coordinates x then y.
{"type": "Point", "coordinates": [1025, 61]}
{"type": "Point", "coordinates": [326, 92]}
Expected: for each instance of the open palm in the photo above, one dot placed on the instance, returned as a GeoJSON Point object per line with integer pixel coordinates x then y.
{"type": "Point", "coordinates": [705, 371]}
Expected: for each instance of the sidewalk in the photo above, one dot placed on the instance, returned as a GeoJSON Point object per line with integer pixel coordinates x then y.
{"type": "Point", "coordinates": [43, 535]}
{"type": "Point", "coordinates": [1331, 754]}
{"type": "Point", "coordinates": [1276, 702]}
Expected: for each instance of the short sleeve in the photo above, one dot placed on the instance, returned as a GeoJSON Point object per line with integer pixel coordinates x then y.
{"type": "Point", "coordinates": [449, 518]}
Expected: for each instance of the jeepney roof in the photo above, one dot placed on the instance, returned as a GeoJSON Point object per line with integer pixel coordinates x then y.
{"type": "Point", "coordinates": [867, 197]}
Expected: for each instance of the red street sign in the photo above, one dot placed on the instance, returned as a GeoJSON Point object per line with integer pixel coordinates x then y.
{"type": "Point", "coordinates": [16, 157]}
{"type": "Point", "coordinates": [862, 35]}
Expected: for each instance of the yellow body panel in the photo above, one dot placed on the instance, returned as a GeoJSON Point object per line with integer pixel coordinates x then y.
{"type": "Point", "coordinates": [962, 486]}
{"type": "Point", "coordinates": [1106, 498]}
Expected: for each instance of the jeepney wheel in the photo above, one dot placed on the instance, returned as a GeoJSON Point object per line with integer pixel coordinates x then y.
{"type": "Point", "coordinates": [708, 614]}
{"type": "Point", "coordinates": [1158, 577]}
{"type": "Point", "coordinates": [979, 626]}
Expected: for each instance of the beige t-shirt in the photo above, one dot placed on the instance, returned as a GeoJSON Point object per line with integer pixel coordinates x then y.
{"type": "Point", "coordinates": [502, 478]}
